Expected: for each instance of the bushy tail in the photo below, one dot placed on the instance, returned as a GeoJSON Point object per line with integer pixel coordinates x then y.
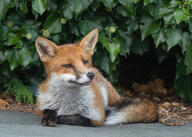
{"type": "Point", "coordinates": [133, 110]}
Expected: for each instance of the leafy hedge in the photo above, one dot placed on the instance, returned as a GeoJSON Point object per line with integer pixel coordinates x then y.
{"type": "Point", "coordinates": [126, 27]}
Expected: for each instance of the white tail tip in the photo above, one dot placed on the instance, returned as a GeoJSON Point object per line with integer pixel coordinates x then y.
{"type": "Point", "coordinates": [115, 118]}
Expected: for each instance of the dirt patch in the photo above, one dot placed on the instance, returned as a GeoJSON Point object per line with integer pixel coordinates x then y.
{"type": "Point", "coordinates": [7, 103]}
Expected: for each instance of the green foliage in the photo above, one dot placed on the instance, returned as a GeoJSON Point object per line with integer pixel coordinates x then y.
{"type": "Point", "coordinates": [39, 6]}
{"type": "Point", "coordinates": [21, 92]}
{"type": "Point", "coordinates": [126, 27]}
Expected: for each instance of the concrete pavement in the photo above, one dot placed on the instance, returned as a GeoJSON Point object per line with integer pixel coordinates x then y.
{"type": "Point", "coordinates": [19, 124]}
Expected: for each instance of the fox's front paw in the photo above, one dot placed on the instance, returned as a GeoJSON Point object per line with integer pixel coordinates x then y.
{"type": "Point", "coordinates": [49, 123]}
{"type": "Point", "coordinates": [49, 118]}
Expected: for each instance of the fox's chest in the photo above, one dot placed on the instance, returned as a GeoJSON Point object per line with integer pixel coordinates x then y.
{"type": "Point", "coordinates": [67, 101]}
{"type": "Point", "coordinates": [76, 102]}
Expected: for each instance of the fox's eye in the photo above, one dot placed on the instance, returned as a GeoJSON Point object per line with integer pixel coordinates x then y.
{"type": "Point", "coordinates": [67, 65]}
{"type": "Point", "coordinates": [85, 61]}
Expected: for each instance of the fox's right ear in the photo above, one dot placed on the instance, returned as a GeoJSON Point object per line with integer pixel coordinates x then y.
{"type": "Point", "coordinates": [89, 41]}
{"type": "Point", "coordinates": [45, 48]}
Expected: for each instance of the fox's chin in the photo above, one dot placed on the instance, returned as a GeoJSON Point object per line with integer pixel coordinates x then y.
{"type": "Point", "coordinates": [80, 84]}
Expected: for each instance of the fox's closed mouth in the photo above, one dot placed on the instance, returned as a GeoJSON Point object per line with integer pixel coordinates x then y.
{"type": "Point", "coordinates": [75, 82]}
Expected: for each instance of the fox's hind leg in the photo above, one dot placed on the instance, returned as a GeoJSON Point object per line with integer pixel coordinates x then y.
{"type": "Point", "coordinates": [96, 112]}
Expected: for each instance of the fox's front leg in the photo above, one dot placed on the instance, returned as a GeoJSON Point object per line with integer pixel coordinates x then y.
{"type": "Point", "coordinates": [96, 110]}
{"type": "Point", "coordinates": [99, 121]}
{"type": "Point", "coordinates": [96, 114]}
{"type": "Point", "coordinates": [49, 118]}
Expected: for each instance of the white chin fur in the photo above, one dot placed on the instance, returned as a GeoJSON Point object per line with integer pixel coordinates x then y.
{"type": "Point", "coordinates": [115, 118]}
{"type": "Point", "coordinates": [63, 77]}
{"type": "Point", "coordinates": [66, 78]}
{"type": "Point", "coordinates": [83, 79]}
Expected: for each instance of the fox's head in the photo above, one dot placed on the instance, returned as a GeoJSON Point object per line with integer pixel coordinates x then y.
{"type": "Point", "coordinates": [70, 63]}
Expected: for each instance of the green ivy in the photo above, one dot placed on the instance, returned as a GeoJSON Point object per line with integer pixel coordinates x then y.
{"type": "Point", "coordinates": [125, 28]}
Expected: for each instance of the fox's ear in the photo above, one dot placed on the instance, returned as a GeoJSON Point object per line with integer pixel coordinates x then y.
{"type": "Point", "coordinates": [89, 41]}
{"type": "Point", "coordinates": [45, 48]}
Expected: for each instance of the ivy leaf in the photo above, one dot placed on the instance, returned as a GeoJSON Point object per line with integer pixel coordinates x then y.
{"type": "Point", "coordinates": [122, 11]}
{"type": "Point", "coordinates": [24, 57]}
{"type": "Point", "coordinates": [132, 26]}
{"type": "Point", "coordinates": [173, 37]}
{"type": "Point", "coordinates": [23, 6]}
{"type": "Point", "coordinates": [77, 6]}
{"type": "Point", "coordinates": [149, 26]}
{"type": "Point", "coordinates": [53, 24]}
{"type": "Point", "coordinates": [103, 39]}
{"type": "Point", "coordinates": [102, 61]}
{"type": "Point", "coordinates": [19, 44]}
{"type": "Point", "coordinates": [125, 42]}
{"type": "Point", "coordinates": [108, 3]}
{"type": "Point", "coordinates": [183, 87]}
{"type": "Point", "coordinates": [4, 7]}
{"type": "Point", "coordinates": [3, 33]}
{"type": "Point", "coordinates": [39, 6]}
{"type": "Point", "coordinates": [158, 38]}
{"type": "Point", "coordinates": [12, 39]}
{"type": "Point", "coordinates": [169, 19]}
{"type": "Point", "coordinates": [12, 57]}
{"type": "Point", "coordinates": [129, 5]}
{"type": "Point", "coordinates": [158, 12]}
{"type": "Point", "coordinates": [73, 28]}
{"type": "Point", "coordinates": [180, 16]}
{"type": "Point", "coordinates": [114, 49]}
{"type": "Point", "coordinates": [67, 11]}
{"type": "Point", "coordinates": [85, 27]}
{"type": "Point", "coordinates": [30, 24]}
{"type": "Point", "coordinates": [180, 69]}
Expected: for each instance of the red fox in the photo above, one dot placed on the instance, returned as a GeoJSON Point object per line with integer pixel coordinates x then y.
{"type": "Point", "coordinates": [74, 87]}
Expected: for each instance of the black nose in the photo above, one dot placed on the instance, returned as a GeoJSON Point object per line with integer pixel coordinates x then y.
{"type": "Point", "coordinates": [90, 75]}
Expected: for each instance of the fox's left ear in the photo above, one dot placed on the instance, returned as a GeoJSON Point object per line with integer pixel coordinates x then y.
{"type": "Point", "coordinates": [89, 41]}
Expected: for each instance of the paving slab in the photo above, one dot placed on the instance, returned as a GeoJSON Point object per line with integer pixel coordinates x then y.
{"type": "Point", "coordinates": [20, 124]}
